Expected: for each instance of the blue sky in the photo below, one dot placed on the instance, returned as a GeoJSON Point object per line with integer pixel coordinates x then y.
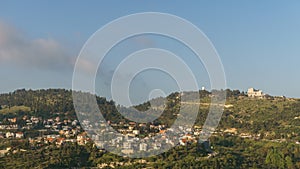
{"type": "Point", "coordinates": [258, 41]}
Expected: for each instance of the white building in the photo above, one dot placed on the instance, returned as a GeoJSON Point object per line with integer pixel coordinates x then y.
{"type": "Point", "coordinates": [143, 147]}
{"type": "Point", "coordinates": [127, 145]}
{"type": "Point", "coordinates": [255, 93]}
{"type": "Point", "coordinates": [19, 135]}
{"type": "Point", "coordinates": [136, 132]}
{"type": "Point", "coordinates": [9, 135]}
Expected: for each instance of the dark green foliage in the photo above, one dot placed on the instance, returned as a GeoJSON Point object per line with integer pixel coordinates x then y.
{"type": "Point", "coordinates": [275, 159]}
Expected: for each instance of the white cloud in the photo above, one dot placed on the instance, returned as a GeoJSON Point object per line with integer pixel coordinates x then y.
{"type": "Point", "coordinates": [19, 50]}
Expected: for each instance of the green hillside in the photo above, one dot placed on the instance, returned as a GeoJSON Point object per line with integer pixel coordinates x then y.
{"type": "Point", "coordinates": [253, 133]}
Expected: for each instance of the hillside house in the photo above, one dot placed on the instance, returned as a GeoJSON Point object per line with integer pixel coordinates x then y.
{"type": "Point", "coordinates": [255, 93]}
{"type": "Point", "coordinates": [19, 135]}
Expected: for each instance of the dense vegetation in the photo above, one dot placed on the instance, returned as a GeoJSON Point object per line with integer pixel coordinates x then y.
{"type": "Point", "coordinates": [233, 152]}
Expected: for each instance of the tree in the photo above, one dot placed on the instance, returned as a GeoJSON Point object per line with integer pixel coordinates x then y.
{"type": "Point", "coordinates": [289, 162]}
{"type": "Point", "coordinates": [275, 158]}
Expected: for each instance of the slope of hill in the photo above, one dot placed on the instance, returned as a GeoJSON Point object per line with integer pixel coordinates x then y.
{"type": "Point", "coordinates": [276, 117]}
{"type": "Point", "coordinates": [253, 133]}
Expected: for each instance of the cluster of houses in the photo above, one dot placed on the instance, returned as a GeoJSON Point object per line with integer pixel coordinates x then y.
{"type": "Point", "coordinates": [9, 127]}
{"type": "Point", "coordinates": [18, 135]}
{"type": "Point", "coordinates": [64, 130]}
{"type": "Point", "coordinates": [68, 131]}
{"type": "Point", "coordinates": [58, 132]}
{"type": "Point", "coordinates": [129, 141]}
{"type": "Point", "coordinates": [59, 139]}
{"type": "Point", "coordinates": [11, 123]}
{"type": "Point", "coordinates": [132, 136]}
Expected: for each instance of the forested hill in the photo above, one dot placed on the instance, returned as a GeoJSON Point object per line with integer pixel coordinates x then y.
{"type": "Point", "coordinates": [43, 103]}
{"type": "Point", "coordinates": [48, 103]}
